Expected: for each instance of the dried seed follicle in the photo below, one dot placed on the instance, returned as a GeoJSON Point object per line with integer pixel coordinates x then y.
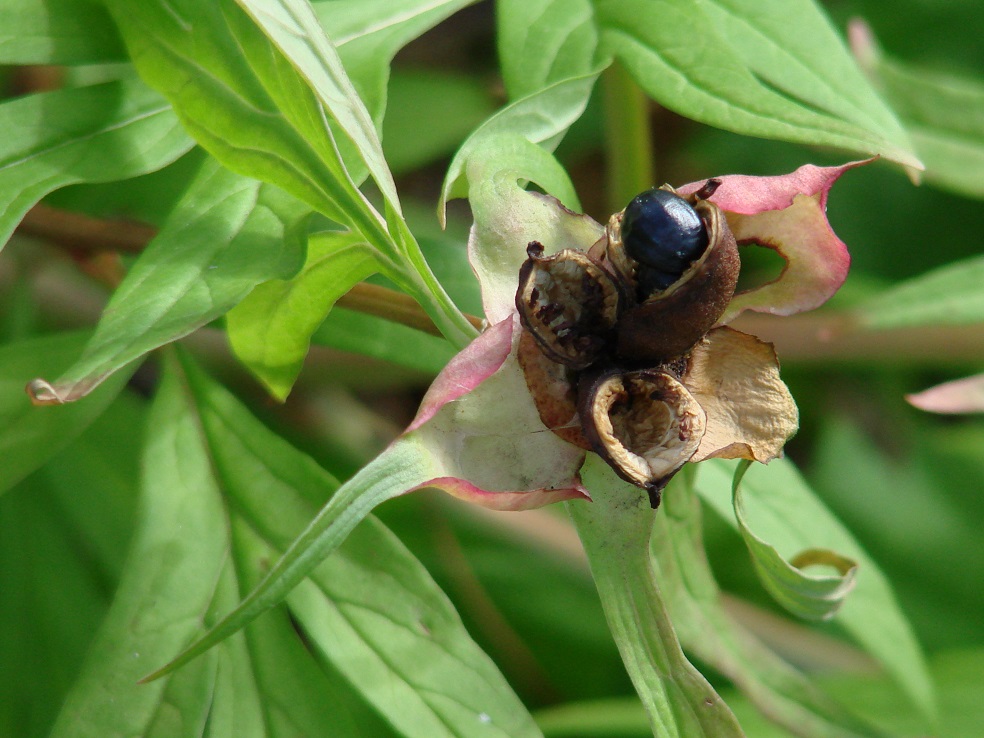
{"type": "Point", "coordinates": [569, 303]}
{"type": "Point", "coordinates": [645, 424]}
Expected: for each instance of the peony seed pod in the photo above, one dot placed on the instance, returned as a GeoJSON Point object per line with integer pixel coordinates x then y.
{"type": "Point", "coordinates": [680, 262]}
{"type": "Point", "coordinates": [569, 303]}
{"type": "Point", "coordinates": [644, 424]}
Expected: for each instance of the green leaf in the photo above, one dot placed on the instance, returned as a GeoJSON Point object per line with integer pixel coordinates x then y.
{"type": "Point", "coordinates": [266, 94]}
{"type": "Point", "coordinates": [368, 33]}
{"type": "Point", "coordinates": [63, 534]}
{"type": "Point", "coordinates": [30, 436]}
{"type": "Point", "coordinates": [774, 70]}
{"type": "Point", "coordinates": [241, 99]}
{"type": "Point", "coordinates": [371, 609]}
{"type": "Point", "coordinates": [544, 41]}
{"type": "Point", "coordinates": [57, 32]}
{"type": "Point", "coordinates": [944, 114]}
{"type": "Point", "coordinates": [271, 329]}
{"type": "Point", "coordinates": [179, 551]}
{"type": "Point", "coordinates": [948, 295]}
{"type": "Point", "coordinates": [293, 28]}
{"type": "Point", "coordinates": [226, 235]}
{"type": "Point", "coordinates": [954, 673]}
{"type": "Point", "coordinates": [792, 519]}
{"type": "Point", "coordinates": [398, 469]}
{"type": "Point", "coordinates": [101, 133]}
{"type": "Point", "coordinates": [615, 529]}
{"type": "Point", "coordinates": [709, 632]}
{"type": "Point", "coordinates": [507, 139]}
{"type": "Point", "coordinates": [815, 596]}
{"type": "Point", "coordinates": [377, 338]}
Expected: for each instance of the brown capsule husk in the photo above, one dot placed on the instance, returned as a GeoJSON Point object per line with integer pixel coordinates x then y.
{"type": "Point", "coordinates": [553, 388]}
{"type": "Point", "coordinates": [644, 424]}
{"type": "Point", "coordinates": [569, 303]}
{"type": "Point", "coordinates": [668, 323]}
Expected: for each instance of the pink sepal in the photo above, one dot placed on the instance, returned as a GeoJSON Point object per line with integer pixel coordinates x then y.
{"type": "Point", "coordinates": [468, 369]}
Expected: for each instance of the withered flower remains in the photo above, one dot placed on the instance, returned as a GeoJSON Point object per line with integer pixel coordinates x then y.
{"type": "Point", "coordinates": [621, 352]}
{"type": "Point", "coordinates": [614, 341]}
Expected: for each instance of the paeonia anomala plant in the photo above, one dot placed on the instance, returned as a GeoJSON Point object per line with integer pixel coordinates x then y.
{"type": "Point", "coordinates": [606, 375]}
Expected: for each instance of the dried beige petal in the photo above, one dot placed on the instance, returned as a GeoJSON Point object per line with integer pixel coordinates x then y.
{"type": "Point", "coordinates": [645, 424]}
{"type": "Point", "coordinates": [750, 413]}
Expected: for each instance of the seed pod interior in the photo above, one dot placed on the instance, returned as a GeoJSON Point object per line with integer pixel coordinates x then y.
{"type": "Point", "coordinates": [569, 303]}
{"type": "Point", "coordinates": [645, 424]}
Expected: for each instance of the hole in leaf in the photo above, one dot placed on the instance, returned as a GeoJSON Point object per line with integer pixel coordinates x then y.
{"type": "Point", "coordinates": [760, 265]}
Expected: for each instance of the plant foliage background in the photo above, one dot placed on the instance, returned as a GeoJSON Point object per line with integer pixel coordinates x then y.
{"type": "Point", "coordinates": [189, 173]}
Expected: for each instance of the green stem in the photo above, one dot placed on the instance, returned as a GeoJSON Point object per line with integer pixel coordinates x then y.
{"type": "Point", "coordinates": [414, 276]}
{"type": "Point", "coordinates": [628, 138]}
{"type": "Point", "coordinates": [615, 530]}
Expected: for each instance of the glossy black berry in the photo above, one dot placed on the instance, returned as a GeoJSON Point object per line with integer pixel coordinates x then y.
{"type": "Point", "coordinates": [664, 234]}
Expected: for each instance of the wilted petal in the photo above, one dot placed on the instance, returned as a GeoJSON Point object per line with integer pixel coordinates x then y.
{"type": "Point", "coordinates": [479, 426]}
{"type": "Point", "coordinates": [959, 396]}
{"type": "Point", "coordinates": [750, 413]}
{"type": "Point", "coordinates": [786, 214]}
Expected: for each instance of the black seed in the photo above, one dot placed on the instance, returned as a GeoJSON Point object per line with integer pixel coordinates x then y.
{"type": "Point", "coordinates": [662, 232]}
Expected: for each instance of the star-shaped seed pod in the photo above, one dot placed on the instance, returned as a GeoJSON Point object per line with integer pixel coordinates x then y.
{"type": "Point", "coordinates": [598, 344]}
{"type": "Point", "coordinates": [645, 296]}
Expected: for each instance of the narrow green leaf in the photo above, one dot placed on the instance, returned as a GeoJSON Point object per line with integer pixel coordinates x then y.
{"type": "Point", "coordinates": [317, 699]}
{"type": "Point", "coordinates": [752, 71]}
{"type": "Point", "coordinates": [949, 295]}
{"type": "Point", "coordinates": [179, 551]}
{"type": "Point", "coordinates": [710, 633]}
{"type": "Point", "coordinates": [266, 94]}
{"type": "Point", "coordinates": [222, 496]}
{"type": "Point", "coordinates": [226, 235]}
{"type": "Point", "coordinates": [293, 28]}
{"type": "Point", "coordinates": [540, 118]}
{"type": "Point", "coordinates": [101, 133]}
{"type": "Point", "coordinates": [944, 114]}
{"type": "Point", "coordinates": [792, 46]}
{"type": "Point", "coordinates": [57, 32]}
{"type": "Point", "coordinates": [544, 41]}
{"type": "Point", "coordinates": [371, 609]}
{"type": "Point", "coordinates": [615, 529]}
{"type": "Point", "coordinates": [30, 436]}
{"type": "Point", "coordinates": [400, 468]}
{"type": "Point", "coordinates": [791, 518]}
{"type": "Point", "coordinates": [816, 596]}
{"type": "Point", "coordinates": [368, 33]}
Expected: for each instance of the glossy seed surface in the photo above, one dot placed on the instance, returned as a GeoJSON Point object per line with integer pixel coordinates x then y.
{"type": "Point", "coordinates": [662, 232]}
